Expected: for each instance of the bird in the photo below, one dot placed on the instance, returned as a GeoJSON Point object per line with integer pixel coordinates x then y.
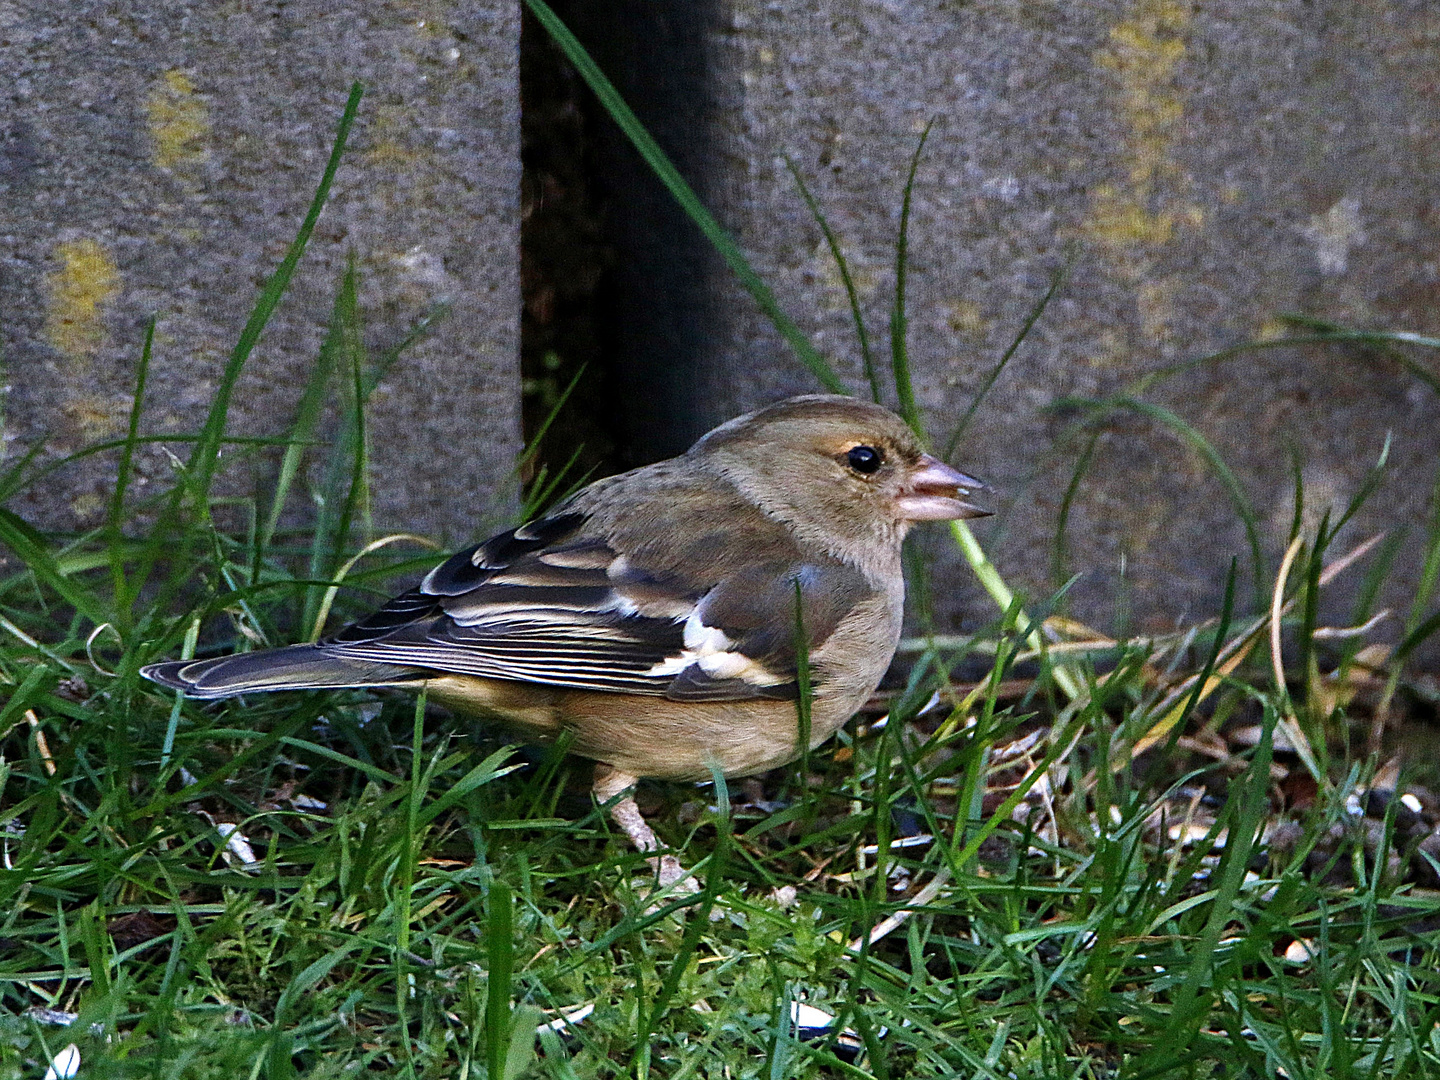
{"type": "Point", "coordinates": [659, 617]}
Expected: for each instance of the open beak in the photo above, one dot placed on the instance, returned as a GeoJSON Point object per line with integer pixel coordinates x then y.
{"type": "Point", "coordinates": [935, 492]}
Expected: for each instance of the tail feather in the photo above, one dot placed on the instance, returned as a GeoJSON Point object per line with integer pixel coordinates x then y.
{"type": "Point", "coordinates": [296, 667]}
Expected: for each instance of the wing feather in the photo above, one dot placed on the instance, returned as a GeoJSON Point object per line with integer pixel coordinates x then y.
{"type": "Point", "coordinates": [547, 603]}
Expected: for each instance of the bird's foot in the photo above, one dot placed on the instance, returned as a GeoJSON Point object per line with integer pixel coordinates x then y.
{"type": "Point", "coordinates": [670, 874]}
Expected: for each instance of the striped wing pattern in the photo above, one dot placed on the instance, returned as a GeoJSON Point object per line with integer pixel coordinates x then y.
{"type": "Point", "coordinates": [548, 604]}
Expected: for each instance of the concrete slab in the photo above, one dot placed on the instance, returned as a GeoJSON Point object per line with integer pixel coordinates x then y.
{"type": "Point", "coordinates": [159, 158]}
{"type": "Point", "coordinates": [1216, 166]}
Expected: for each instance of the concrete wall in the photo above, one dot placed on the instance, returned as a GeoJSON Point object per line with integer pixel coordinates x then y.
{"type": "Point", "coordinates": [1216, 165]}
{"type": "Point", "coordinates": [159, 157]}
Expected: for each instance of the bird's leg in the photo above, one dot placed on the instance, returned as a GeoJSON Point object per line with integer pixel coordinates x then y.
{"type": "Point", "coordinates": [610, 782]}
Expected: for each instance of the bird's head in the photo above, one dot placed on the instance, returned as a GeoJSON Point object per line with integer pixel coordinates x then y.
{"type": "Point", "coordinates": [840, 471]}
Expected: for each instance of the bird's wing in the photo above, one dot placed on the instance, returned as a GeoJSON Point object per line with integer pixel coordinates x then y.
{"type": "Point", "coordinates": [550, 603]}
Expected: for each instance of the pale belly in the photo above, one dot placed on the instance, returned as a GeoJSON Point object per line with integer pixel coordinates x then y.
{"type": "Point", "coordinates": [649, 736]}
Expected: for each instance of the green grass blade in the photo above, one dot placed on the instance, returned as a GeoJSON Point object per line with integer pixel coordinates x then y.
{"type": "Point", "coordinates": [198, 475]}
{"type": "Point", "coordinates": [1196, 441]}
{"type": "Point", "coordinates": [1057, 282]}
{"type": "Point", "coordinates": [357, 492]}
{"type": "Point", "coordinates": [31, 548]}
{"type": "Point", "coordinates": [1221, 635]}
{"type": "Point", "coordinates": [1415, 638]}
{"type": "Point", "coordinates": [492, 768]}
{"type": "Point", "coordinates": [541, 488]}
{"type": "Point", "coordinates": [698, 922]}
{"type": "Point", "coordinates": [302, 435]}
{"type": "Point", "coordinates": [1417, 628]}
{"type": "Point", "coordinates": [1323, 333]}
{"type": "Point", "coordinates": [899, 350]}
{"type": "Point", "coordinates": [405, 882]}
{"type": "Point", "coordinates": [13, 483]}
{"type": "Point", "coordinates": [14, 478]}
{"type": "Point", "coordinates": [1383, 340]}
{"type": "Point", "coordinates": [374, 772]}
{"type": "Point", "coordinates": [1297, 498]}
{"type": "Point", "coordinates": [309, 978]}
{"type": "Point", "coordinates": [1059, 742]}
{"type": "Point", "coordinates": [1004, 598]}
{"type": "Point", "coordinates": [1248, 811]}
{"type": "Point", "coordinates": [205, 457]}
{"type": "Point", "coordinates": [123, 601]}
{"type": "Point", "coordinates": [1060, 550]}
{"type": "Point", "coordinates": [685, 195]}
{"type": "Point", "coordinates": [500, 951]}
{"type": "Point", "coordinates": [1430, 568]}
{"type": "Point", "coordinates": [21, 697]}
{"type": "Point", "coordinates": [346, 470]}
{"type": "Point", "coordinates": [311, 407]}
{"type": "Point", "coordinates": [417, 333]}
{"type": "Point", "coordinates": [872, 376]}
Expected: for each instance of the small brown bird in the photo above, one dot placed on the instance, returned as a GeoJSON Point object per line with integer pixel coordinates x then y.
{"type": "Point", "coordinates": [653, 615]}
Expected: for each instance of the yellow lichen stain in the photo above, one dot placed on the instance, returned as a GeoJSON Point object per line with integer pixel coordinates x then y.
{"type": "Point", "coordinates": [92, 417]}
{"type": "Point", "coordinates": [389, 145]}
{"type": "Point", "coordinates": [1155, 300]}
{"type": "Point", "coordinates": [1120, 219]}
{"type": "Point", "coordinates": [77, 292]}
{"type": "Point", "coordinates": [965, 317]}
{"type": "Point", "coordinates": [179, 121]}
{"type": "Point", "coordinates": [87, 508]}
{"type": "Point", "coordinates": [1110, 349]}
{"type": "Point", "coordinates": [1143, 52]}
{"type": "Point", "coordinates": [1131, 220]}
{"type": "Point", "coordinates": [1272, 329]}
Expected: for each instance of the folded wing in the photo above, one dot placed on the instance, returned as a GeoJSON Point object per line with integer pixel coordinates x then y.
{"type": "Point", "coordinates": [547, 603]}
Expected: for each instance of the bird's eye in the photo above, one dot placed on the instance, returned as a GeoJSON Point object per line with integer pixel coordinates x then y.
{"type": "Point", "coordinates": [865, 459]}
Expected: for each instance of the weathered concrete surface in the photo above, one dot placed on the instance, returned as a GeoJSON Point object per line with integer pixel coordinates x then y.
{"type": "Point", "coordinates": [159, 158]}
{"type": "Point", "coordinates": [1217, 165]}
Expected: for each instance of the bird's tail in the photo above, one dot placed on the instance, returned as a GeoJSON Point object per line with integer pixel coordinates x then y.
{"type": "Point", "coordinates": [296, 667]}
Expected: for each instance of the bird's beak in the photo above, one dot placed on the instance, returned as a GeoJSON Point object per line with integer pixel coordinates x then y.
{"type": "Point", "coordinates": [934, 493]}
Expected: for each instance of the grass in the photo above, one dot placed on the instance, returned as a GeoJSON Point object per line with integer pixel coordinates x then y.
{"type": "Point", "coordinates": [320, 884]}
{"type": "Point", "coordinates": [1167, 857]}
